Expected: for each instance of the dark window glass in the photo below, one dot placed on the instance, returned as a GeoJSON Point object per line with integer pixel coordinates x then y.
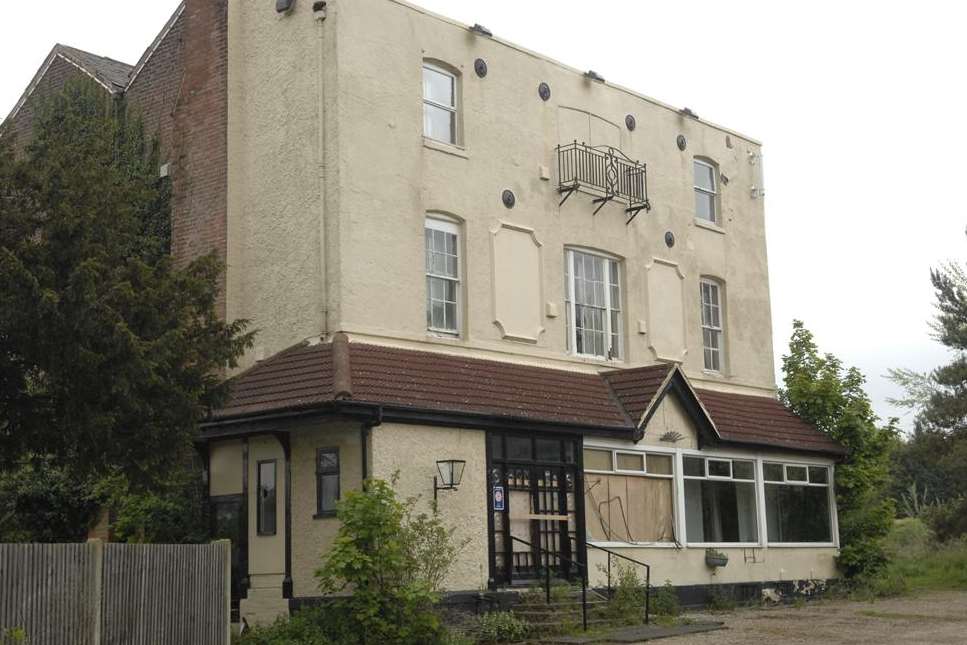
{"type": "Point", "coordinates": [266, 498]}
{"type": "Point", "coordinates": [519, 448]}
{"type": "Point", "coordinates": [548, 450]}
{"type": "Point", "coordinates": [569, 452]}
{"type": "Point", "coordinates": [496, 445]}
{"type": "Point", "coordinates": [772, 472]}
{"type": "Point", "coordinates": [795, 473]}
{"type": "Point", "coordinates": [719, 468]}
{"type": "Point", "coordinates": [743, 470]}
{"type": "Point", "coordinates": [818, 475]}
{"type": "Point", "coordinates": [694, 467]}
{"type": "Point", "coordinates": [798, 513]}
{"type": "Point", "coordinates": [327, 481]}
{"type": "Point", "coordinates": [720, 511]}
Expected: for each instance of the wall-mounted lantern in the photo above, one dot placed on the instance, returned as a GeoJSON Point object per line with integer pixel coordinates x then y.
{"type": "Point", "coordinates": [451, 474]}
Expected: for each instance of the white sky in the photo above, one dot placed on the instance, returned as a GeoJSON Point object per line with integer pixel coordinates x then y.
{"type": "Point", "coordinates": [861, 107]}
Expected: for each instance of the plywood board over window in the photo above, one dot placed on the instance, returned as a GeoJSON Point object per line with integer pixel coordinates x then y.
{"type": "Point", "coordinates": [629, 508]}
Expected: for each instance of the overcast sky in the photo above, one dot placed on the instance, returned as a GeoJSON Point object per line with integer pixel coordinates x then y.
{"type": "Point", "coordinates": [861, 107]}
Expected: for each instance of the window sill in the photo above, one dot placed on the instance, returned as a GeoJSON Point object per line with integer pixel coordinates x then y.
{"type": "Point", "coordinates": [803, 545]}
{"type": "Point", "coordinates": [446, 148]}
{"type": "Point", "coordinates": [725, 545]}
{"type": "Point", "coordinates": [324, 516]}
{"type": "Point", "coordinates": [709, 226]}
{"type": "Point", "coordinates": [633, 545]}
{"type": "Point", "coordinates": [444, 336]}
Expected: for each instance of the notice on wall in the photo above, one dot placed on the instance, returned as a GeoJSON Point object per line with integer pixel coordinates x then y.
{"type": "Point", "coordinates": [498, 498]}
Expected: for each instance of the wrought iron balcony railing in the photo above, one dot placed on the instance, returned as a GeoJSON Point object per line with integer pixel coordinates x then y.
{"type": "Point", "coordinates": [605, 172]}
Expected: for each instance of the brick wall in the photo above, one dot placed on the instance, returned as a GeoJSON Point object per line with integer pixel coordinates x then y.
{"type": "Point", "coordinates": [155, 90]}
{"type": "Point", "coordinates": [53, 81]}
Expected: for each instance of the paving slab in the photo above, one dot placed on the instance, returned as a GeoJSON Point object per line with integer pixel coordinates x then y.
{"type": "Point", "coordinates": [636, 634]}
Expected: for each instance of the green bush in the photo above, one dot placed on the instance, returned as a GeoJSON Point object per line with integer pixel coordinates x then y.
{"type": "Point", "coordinates": [949, 519]}
{"type": "Point", "coordinates": [664, 600]}
{"type": "Point", "coordinates": [720, 600]}
{"type": "Point", "coordinates": [393, 561]}
{"type": "Point", "coordinates": [13, 636]}
{"type": "Point", "coordinates": [305, 627]}
{"type": "Point", "coordinates": [501, 627]}
{"type": "Point", "coordinates": [628, 601]}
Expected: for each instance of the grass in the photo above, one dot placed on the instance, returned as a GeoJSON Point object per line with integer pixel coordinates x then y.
{"type": "Point", "coordinates": [917, 563]}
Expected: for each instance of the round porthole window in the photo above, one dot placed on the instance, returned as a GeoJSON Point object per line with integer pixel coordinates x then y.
{"type": "Point", "coordinates": [509, 199]}
{"type": "Point", "coordinates": [682, 143]}
{"type": "Point", "coordinates": [631, 123]}
{"type": "Point", "coordinates": [480, 66]}
{"type": "Point", "coordinates": [544, 91]}
{"type": "Point", "coordinates": [669, 239]}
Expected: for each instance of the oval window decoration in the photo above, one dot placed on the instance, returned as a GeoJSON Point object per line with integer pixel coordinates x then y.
{"type": "Point", "coordinates": [669, 239]}
{"type": "Point", "coordinates": [544, 91]}
{"type": "Point", "coordinates": [509, 198]}
{"type": "Point", "coordinates": [682, 143]}
{"type": "Point", "coordinates": [631, 123]}
{"type": "Point", "coordinates": [480, 66]}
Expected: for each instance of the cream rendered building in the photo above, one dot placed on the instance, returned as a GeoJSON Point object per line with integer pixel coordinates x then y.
{"type": "Point", "coordinates": [456, 249]}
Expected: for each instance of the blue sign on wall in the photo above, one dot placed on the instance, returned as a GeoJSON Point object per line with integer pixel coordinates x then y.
{"type": "Point", "coordinates": [498, 498]}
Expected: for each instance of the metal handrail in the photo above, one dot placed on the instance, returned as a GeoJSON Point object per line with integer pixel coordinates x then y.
{"type": "Point", "coordinates": [638, 562]}
{"type": "Point", "coordinates": [547, 576]}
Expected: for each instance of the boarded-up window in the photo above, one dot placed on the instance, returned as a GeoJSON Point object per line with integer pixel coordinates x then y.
{"type": "Point", "coordinates": [629, 508]}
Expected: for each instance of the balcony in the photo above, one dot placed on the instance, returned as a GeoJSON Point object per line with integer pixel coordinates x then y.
{"type": "Point", "coordinates": [605, 172]}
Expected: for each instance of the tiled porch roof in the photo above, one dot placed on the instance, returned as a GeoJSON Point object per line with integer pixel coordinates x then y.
{"type": "Point", "coordinates": [618, 401]}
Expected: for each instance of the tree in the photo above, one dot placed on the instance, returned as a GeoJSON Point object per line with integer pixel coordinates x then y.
{"type": "Point", "coordinates": [394, 560]}
{"type": "Point", "coordinates": [822, 392]}
{"type": "Point", "coordinates": [109, 352]}
{"type": "Point", "coordinates": [934, 458]}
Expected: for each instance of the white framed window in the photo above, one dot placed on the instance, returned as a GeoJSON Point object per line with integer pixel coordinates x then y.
{"type": "Point", "coordinates": [705, 191]}
{"type": "Point", "coordinates": [439, 104]}
{"type": "Point", "coordinates": [593, 305]}
{"type": "Point", "coordinates": [720, 500]}
{"type": "Point", "coordinates": [799, 503]}
{"type": "Point", "coordinates": [442, 239]}
{"type": "Point", "coordinates": [712, 325]}
{"type": "Point", "coordinates": [629, 496]}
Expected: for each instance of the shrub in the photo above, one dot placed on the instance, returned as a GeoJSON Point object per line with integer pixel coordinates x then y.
{"type": "Point", "coordinates": [664, 600]}
{"type": "Point", "coordinates": [393, 560]}
{"type": "Point", "coordinates": [501, 627]}
{"type": "Point", "coordinates": [949, 519]}
{"type": "Point", "coordinates": [305, 627]}
{"type": "Point", "coordinates": [720, 600]}
{"type": "Point", "coordinates": [628, 601]}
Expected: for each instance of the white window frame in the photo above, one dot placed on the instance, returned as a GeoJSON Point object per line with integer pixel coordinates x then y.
{"type": "Point", "coordinates": [701, 189]}
{"type": "Point", "coordinates": [829, 485]}
{"type": "Point", "coordinates": [720, 330]}
{"type": "Point", "coordinates": [453, 109]}
{"type": "Point", "coordinates": [756, 487]}
{"type": "Point", "coordinates": [674, 476]}
{"type": "Point", "coordinates": [438, 223]}
{"type": "Point", "coordinates": [571, 322]}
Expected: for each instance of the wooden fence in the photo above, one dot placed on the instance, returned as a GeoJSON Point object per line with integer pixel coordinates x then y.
{"type": "Point", "coordinates": [114, 594]}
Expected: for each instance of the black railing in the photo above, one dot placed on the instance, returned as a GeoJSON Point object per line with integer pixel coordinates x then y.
{"type": "Point", "coordinates": [647, 577]}
{"type": "Point", "coordinates": [603, 171]}
{"type": "Point", "coordinates": [547, 576]}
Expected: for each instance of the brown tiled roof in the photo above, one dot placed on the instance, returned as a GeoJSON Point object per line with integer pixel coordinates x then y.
{"type": "Point", "coordinates": [763, 420]}
{"type": "Point", "coordinates": [308, 376]}
{"type": "Point", "coordinates": [636, 388]}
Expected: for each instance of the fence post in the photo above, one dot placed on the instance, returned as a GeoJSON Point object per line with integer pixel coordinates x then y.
{"type": "Point", "coordinates": [226, 547]}
{"type": "Point", "coordinates": [98, 588]}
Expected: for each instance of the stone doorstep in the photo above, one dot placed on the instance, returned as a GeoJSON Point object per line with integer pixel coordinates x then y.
{"type": "Point", "coordinates": [637, 634]}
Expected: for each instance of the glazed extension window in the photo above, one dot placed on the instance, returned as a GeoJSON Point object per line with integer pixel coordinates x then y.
{"type": "Point", "coordinates": [327, 481]}
{"type": "Point", "coordinates": [712, 325]}
{"type": "Point", "coordinates": [267, 498]}
{"type": "Point", "coordinates": [593, 304]}
{"type": "Point", "coordinates": [797, 503]}
{"type": "Point", "coordinates": [705, 192]}
{"type": "Point", "coordinates": [439, 104]}
{"type": "Point", "coordinates": [628, 496]}
{"type": "Point", "coordinates": [442, 276]}
{"type": "Point", "coordinates": [720, 505]}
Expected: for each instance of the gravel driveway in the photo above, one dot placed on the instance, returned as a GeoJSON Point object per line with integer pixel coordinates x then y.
{"type": "Point", "coordinates": [939, 617]}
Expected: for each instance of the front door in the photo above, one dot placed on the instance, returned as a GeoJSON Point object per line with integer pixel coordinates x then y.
{"type": "Point", "coordinates": [536, 519]}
